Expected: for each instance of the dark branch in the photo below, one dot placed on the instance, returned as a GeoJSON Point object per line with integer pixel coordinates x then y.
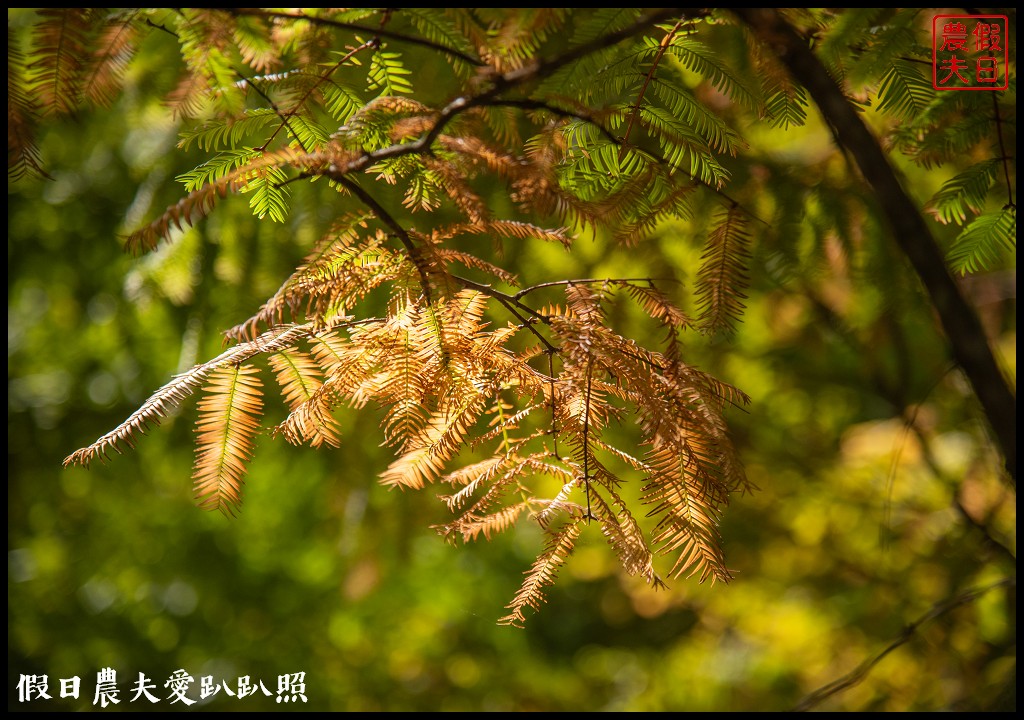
{"type": "Point", "coordinates": [1002, 151]}
{"type": "Point", "coordinates": [461, 105]}
{"type": "Point", "coordinates": [861, 671]}
{"type": "Point", "coordinates": [970, 346]}
{"type": "Point", "coordinates": [298, 105]}
{"type": "Point", "coordinates": [385, 217]}
{"type": "Point", "coordinates": [492, 98]}
{"type": "Point", "coordinates": [503, 83]}
{"type": "Point", "coordinates": [591, 281]}
{"type": "Point", "coordinates": [513, 305]}
{"type": "Point", "coordinates": [546, 67]}
{"type": "Point", "coordinates": [373, 31]}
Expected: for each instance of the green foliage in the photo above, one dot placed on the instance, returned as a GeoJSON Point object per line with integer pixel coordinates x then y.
{"type": "Point", "coordinates": [984, 243]}
{"type": "Point", "coordinates": [787, 107]}
{"type": "Point", "coordinates": [680, 102]}
{"type": "Point", "coordinates": [216, 134]}
{"type": "Point", "coordinates": [341, 101]}
{"type": "Point", "coordinates": [904, 93]}
{"type": "Point", "coordinates": [885, 46]}
{"type": "Point", "coordinates": [387, 74]}
{"type": "Point", "coordinates": [723, 274]}
{"type": "Point", "coordinates": [700, 59]}
{"type": "Point", "coordinates": [216, 168]}
{"type": "Point", "coordinates": [965, 193]}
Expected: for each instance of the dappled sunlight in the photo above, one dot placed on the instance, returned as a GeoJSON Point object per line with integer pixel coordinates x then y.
{"type": "Point", "coordinates": [588, 321]}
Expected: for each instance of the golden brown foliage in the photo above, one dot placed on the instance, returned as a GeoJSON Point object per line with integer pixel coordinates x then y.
{"type": "Point", "coordinates": [527, 410]}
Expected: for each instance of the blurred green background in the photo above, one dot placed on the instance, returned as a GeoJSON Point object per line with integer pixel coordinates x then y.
{"type": "Point", "coordinates": [880, 494]}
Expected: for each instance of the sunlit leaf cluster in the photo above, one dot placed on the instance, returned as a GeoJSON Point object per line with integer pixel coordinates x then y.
{"type": "Point", "coordinates": [444, 134]}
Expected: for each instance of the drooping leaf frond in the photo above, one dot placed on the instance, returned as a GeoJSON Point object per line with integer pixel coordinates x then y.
{"type": "Point", "coordinates": [388, 75]}
{"type": "Point", "coordinates": [656, 304]}
{"type": "Point", "coordinates": [542, 574]}
{"type": "Point", "coordinates": [853, 29]}
{"type": "Point", "coordinates": [685, 497]}
{"type": "Point", "coordinates": [472, 476]}
{"type": "Point", "coordinates": [253, 38]}
{"type": "Point", "coordinates": [718, 135]}
{"type": "Point", "coordinates": [723, 274]}
{"type": "Point", "coordinates": [580, 76]}
{"type": "Point", "coordinates": [428, 452]}
{"type": "Point", "coordinates": [224, 133]}
{"type": "Point", "coordinates": [964, 193]}
{"type": "Point", "coordinates": [441, 29]}
{"type": "Point", "coordinates": [297, 374]}
{"type": "Point", "coordinates": [625, 536]}
{"type": "Point", "coordinates": [349, 262]}
{"type": "Point", "coordinates": [701, 59]}
{"type": "Point", "coordinates": [229, 418]}
{"type": "Point", "coordinates": [512, 40]}
{"type": "Point", "coordinates": [311, 418]}
{"type": "Point", "coordinates": [905, 92]}
{"type": "Point", "coordinates": [22, 114]}
{"type": "Point", "coordinates": [206, 41]}
{"type": "Point", "coordinates": [243, 172]}
{"type": "Point", "coordinates": [885, 45]}
{"type": "Point", "coordinates": [115, 48]}
{"type": "Point", "coordinates": [171, 395]}
{"type": "Point", "coordinates": [948, 128]}
{"type": "Point", "coordinates": [984, 241]}
{"type": "Point", "coordinates": [787, 107]}
{"type": "Point", "coordinates": [472, 526]}
{"type": "Point", "coordinates": [682, 147]}
{"type": "Point", "coordinates": [61, 46]}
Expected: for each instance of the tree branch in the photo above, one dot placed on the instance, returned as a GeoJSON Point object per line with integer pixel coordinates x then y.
{"type": "Point", "coordinates": [590, 281]}
{"type": "Point", "coordinates": [1002, 151]}
{"type": "Point", "coordinates": [291, 113]}
{"type": "Point", "coordinates": [377, 31]}
{"type": "Point", "coordinates": [503, 83]}
{"type": "Point", "coordinates": [513, 305]}
{"type": "Point", "coordinates": [385, 217]}
{"type": "Point", "coordinates": [967, 338]}
{"type": "Point", "coordinates": [861, 671]}
{"type": "Point", "coordinates": [545, 67]}
{"type": "Point", "coordinates": [578, 114]}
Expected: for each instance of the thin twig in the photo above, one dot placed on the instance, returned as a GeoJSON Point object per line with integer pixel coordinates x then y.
{"type": "Point", "coordinates": [590, 281]}
{"type": "Point", "coordinates": [513, 305]}
{"type": "Point", "coordinates": [298, 105]}
{"type": "Point", "coordinates": [554, 417]}
{"type": "Point", "coordinates": [586, 431]}
{"type": "Point", "coordinates": [385, 217]}
{"type": "Point", "coordinates": [542, 67]}
{"type": "Point", "coordinates": [502, 83]}
{"type": "Point", "coordinates": [1002, 152]}
{"type": "Point", "coordinates": [662, 47]}
{"type": "Point", "coordinates": [657, 159]}
{"type": "Point", "coordinates": [861, 671]}
{"type": "Point", "coordinates": [285, 117]}
{"type": "Point", "coordinates": [378, 31]}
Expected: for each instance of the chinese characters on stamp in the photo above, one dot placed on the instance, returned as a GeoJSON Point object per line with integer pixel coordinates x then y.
{"type": "Point", "coordinates": [969, 52]}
